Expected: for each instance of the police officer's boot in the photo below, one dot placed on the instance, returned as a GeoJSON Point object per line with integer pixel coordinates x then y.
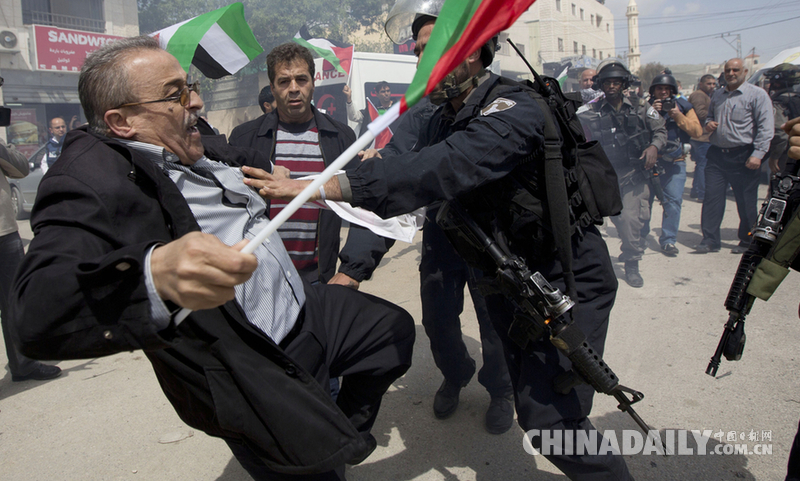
{"type": "Point", "coordinates": [446, 400]}
{"type": "Point", "coordinates": [632, 274]}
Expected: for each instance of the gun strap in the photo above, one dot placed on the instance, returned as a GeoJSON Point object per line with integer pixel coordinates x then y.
{"type": "Point", "coordinates": [557, 200]}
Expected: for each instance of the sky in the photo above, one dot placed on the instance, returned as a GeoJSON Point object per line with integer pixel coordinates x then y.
{"type": "Point", "coordinates": [664, 24]}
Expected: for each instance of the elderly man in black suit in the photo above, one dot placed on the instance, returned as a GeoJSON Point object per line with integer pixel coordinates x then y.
{"type": "Point", "coordinates": [136, 221]}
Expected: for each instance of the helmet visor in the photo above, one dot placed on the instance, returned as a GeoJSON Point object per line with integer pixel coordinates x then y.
{"type": "Point", "coordinates": [402, 15]}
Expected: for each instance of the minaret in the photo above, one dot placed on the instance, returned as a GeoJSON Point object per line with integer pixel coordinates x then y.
{"type": "Point", "coordinates": [633, 37]}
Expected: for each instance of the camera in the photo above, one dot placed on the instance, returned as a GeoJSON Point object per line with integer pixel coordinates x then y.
{"type": "Point", "coordinates": [668, 104]}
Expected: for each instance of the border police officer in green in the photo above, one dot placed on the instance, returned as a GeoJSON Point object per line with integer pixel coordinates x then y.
{"type": "Point", "coordinates": [631, 135]}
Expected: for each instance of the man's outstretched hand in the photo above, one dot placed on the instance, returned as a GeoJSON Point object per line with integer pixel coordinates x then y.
{"type": "Point", "coordinates": [272, 186]}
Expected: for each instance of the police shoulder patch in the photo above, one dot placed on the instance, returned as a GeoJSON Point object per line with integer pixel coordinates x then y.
{"type": "Point", "coordinates": [498, 105]}
{"type": "Point", "coordinates": [653, 113]}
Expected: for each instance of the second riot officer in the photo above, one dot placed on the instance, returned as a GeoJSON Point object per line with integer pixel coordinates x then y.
{"type": "Point", "coordinates": [631, 134]}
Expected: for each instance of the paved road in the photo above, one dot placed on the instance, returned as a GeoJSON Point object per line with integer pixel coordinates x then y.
{"type": "Point", "coordinates": [106, 419]}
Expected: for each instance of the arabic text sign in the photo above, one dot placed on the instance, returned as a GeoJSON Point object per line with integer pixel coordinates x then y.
{"type": "Point", "coordinates": [65, 50]}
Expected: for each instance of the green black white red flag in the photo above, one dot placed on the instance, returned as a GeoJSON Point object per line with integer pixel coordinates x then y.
{"type": "Point", "coordinates": [218, 43]}
{"type": "Point", "coordinates": [462, 27]}
{"type": "Point", "coordinates": [339, 55]}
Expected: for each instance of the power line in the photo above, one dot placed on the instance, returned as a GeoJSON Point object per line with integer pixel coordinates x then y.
{"type": "Point", "coordinates": [714, 14]}
{"type": "Point", "coordinates": [718, 34]}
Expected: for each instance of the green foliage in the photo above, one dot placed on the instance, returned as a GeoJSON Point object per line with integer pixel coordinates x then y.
{"type": "Point", "coordinates": [648, 72]}
{"type": "Point", "coordinates": [274, 21]}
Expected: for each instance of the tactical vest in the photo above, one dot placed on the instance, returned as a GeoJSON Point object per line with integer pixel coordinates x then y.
{"type": "Point", "coordinates": [516, 210]}
{"type": "Point", "coordinates": [676, 136]}
{"type": "Point", "coordinates": [623, 136]}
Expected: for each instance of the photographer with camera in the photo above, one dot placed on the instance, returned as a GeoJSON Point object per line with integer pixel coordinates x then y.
{"type": "Point", "coordinates": [682, 124]}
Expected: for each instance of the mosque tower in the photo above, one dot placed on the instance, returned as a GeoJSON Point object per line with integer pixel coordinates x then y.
{"type": "Point", "coordinates": [634, 62]}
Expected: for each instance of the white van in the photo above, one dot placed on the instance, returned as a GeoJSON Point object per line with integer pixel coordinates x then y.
{"type": "Point", "coordinates": [367, 70]}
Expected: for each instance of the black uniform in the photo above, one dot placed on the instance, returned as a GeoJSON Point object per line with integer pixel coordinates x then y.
{"type": "Point", "coordinates": [470, 155]}
{"type": "Point", "coordinates": [442, 278]}
{"type": "Point", "coordinates": [786, 104]}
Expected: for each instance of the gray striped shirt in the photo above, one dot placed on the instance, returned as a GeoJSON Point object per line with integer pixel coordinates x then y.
{"type": "Point", "coordinates": [745, 117]}
{"type": "Point", "coordinates": [225, 207]}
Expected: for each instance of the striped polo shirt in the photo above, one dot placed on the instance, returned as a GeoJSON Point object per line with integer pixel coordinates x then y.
{"type": "Point", "coordinates": [297, 148]}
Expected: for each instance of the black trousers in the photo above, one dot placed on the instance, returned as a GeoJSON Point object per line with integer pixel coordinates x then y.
{"type": "Point", "coordinates": [534, 369]}
{"type": "Point", "coordinates": [793, 469]}
{"type": "Point", "coordinates": [11, 253]}
{"type": "Point", "coordinates": [344, 333]}
{"type": "Point", "coordinates": [725, 169]}
{"type": "Point", "coordinates": [443, 275]}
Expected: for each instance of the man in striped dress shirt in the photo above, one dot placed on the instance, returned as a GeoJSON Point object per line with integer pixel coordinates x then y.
{"type": "Point", "coordinates": [302, 139]}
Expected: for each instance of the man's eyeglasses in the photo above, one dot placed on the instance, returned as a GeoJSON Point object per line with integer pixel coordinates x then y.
{"type": "Point", "coordinates": [182, 97]}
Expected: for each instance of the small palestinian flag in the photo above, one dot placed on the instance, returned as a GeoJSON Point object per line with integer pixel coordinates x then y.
{"type": "Point", "coordinates": [339, 55]}
{"type": "Point", "coordinates": [562, 77]}
{"type": "Point", "coordinates": [218, 43]}
{"type": "Point", "coordinates": [385, 136]}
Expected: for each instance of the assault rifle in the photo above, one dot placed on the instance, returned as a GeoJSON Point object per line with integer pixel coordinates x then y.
{"type": "Point", "coordinates": [540, 312]}
{"type": "Point", "coordinates": [771, 221]}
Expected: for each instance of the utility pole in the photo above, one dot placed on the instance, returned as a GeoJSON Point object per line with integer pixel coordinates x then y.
{"type": "Point", "coordinates": [738, 46]}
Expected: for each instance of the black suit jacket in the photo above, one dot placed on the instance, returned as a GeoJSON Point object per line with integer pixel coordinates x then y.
{"type": "Point", "coordinates": [80, 293]}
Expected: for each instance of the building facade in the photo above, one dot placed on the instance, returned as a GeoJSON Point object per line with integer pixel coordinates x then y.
{"type": "Point", "coordinates": [42, 46]}
{"type": "Point", "coordinates": [554, 32]}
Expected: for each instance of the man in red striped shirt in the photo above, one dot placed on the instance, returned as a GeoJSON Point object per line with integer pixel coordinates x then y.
{"type": "Point", "coordinates": [301, 138]}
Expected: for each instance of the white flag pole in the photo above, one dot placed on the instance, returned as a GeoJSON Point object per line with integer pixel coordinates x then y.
{"type": "Point", "coordinates": [361, 143]}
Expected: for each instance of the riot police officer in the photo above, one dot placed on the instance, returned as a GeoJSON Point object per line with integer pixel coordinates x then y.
{"type": "Point", "coordinates": [786, 103]}
{"type": "Point", "coordinates": [631, 133]}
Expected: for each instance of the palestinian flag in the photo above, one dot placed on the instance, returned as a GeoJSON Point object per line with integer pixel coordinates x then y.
{"type": "Point", "coordinates": [218, 43]}
{"type": "Point", "coordinates": [562, 77]}
{"type": "Point", "coordinates": [339, 55]}
{"type": "Point", "coordinates": [463, 26]}
{"type": "Point", "coordinates": [385, 136]}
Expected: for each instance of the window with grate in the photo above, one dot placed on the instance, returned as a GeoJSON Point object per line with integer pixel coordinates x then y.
{"type": "Point", "coordinates": [84, 15]}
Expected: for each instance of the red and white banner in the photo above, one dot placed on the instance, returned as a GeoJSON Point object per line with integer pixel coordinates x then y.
{"type": "Point", "coordinates": [65, 50]}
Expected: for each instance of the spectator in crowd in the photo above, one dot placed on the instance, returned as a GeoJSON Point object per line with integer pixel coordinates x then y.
{"type": "Point", "coordinates": [700, 99]}
{"type": "Point", "coordinates": [300, 138]}
{"type": "Point", "coordinates": [588, 94]}
{"type": "Point", "coordinates": [57, 129]}
{"type": "Point", "coordinates": [14, 165]}
{"type": "Point", "coordinates": [266, 100]}
{"type": "Point", "coordinates": [384, 94]}
{"type": "Point", "coordinates": [741, 123]}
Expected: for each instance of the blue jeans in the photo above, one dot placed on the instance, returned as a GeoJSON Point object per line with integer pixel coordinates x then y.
{"type": "Point", "coordinates": [699, 152]}
{"type": "Point", "coordinates": [672, 182]}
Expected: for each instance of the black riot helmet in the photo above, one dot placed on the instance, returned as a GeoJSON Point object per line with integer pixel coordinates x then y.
{"type": "Point", "coordinates": [609, 68]}
{"type": "Point", "coordinates": [664, 79]}
{"type": "Point", "coordinates": [783, 76]}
